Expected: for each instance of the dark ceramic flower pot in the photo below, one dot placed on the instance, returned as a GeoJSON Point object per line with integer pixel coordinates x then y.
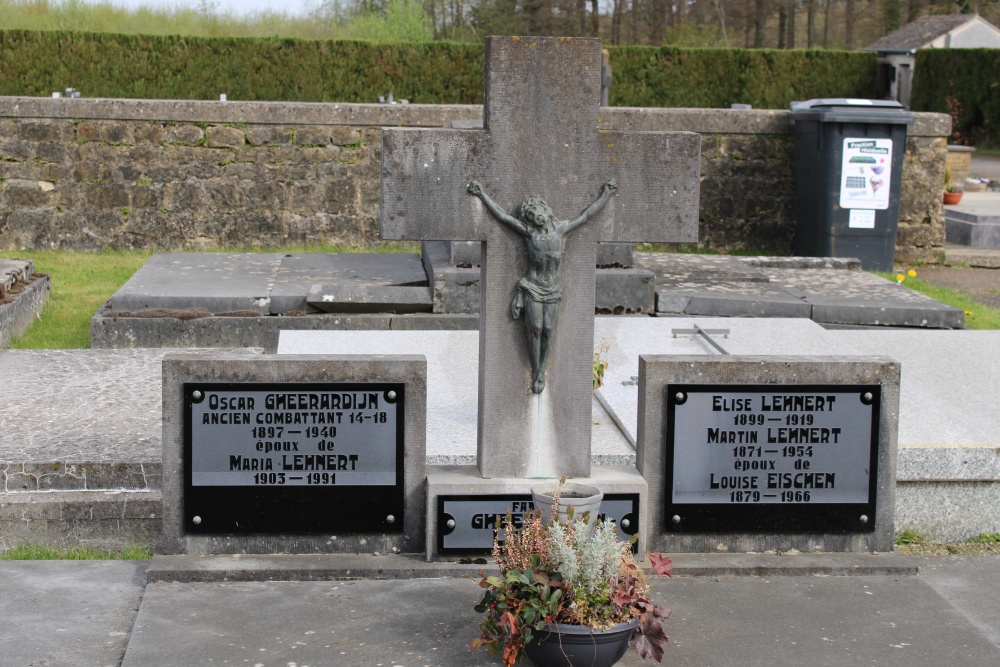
{"type": "Point", "coordinates": [560, 645]}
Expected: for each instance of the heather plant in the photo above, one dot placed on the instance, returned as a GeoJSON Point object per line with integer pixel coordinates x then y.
{"type": "Point", "coordinates": [555, 573]}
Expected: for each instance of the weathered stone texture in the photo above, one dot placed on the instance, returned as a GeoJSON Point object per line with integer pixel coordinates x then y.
{"type": "Point", "coordinates": [208, 175]}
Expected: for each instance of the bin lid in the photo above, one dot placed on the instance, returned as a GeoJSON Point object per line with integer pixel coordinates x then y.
{"type": "Point", "coordinates": [852, 110]}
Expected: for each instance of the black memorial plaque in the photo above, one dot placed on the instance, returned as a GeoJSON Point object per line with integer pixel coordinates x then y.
{"type": "Point", "coordinates": [293, 457]}
{"type": "Point", "coordinates": [771, 458]}
{"type": "Point", "coordinates": [466, 523]}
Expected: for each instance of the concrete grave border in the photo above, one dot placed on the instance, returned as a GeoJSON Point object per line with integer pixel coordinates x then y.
{"type": "Point", "coordinates": [656, 371]}
{"type": "Point", "coordinates": [241, 366]}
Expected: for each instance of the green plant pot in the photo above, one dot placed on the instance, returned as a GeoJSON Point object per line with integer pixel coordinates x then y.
{"type": "Point", "coordinates": [561, 645]}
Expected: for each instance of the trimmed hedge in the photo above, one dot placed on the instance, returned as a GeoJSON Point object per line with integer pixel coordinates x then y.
{"type": "Point", "coordinates": [154, 67]}
{"type": "Point", "coordinates": [969, 76]}
{"type": "Point", "coordinates": [717, 78]}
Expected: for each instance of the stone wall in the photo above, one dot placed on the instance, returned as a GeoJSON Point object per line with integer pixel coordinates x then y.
{"type": "Point", "coordinates": [89, 174]}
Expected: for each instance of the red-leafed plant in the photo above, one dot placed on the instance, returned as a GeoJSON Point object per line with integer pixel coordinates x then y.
{"type": "Point", "coordinates": [555, 573]}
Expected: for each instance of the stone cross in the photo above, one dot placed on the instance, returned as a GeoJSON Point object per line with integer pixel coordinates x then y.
{"type": "Point", "coordinates": [542, 137]}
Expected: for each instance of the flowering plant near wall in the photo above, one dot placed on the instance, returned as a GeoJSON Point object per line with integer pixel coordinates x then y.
{"type": "Point", "coordinates": [553, 573]}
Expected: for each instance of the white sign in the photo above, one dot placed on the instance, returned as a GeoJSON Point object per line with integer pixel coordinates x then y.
{"type": "Point", "coordinates": [861, 219]}
{"type": "Point", "coordinates": [866, 174]}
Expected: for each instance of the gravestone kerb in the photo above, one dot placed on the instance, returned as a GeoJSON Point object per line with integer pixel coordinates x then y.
{"type": "Point", "coordinates": [657, 371]}
{"type": "Point", "coordinates": [232, 366]}
{"type": "Point", "coordinates": [542, 138]}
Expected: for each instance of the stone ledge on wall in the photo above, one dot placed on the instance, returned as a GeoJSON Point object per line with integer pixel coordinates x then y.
{"type": "Point", "coordinates": [88, 174]}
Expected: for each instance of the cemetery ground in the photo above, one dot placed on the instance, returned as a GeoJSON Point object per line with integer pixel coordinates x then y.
{"type": "Point", "coordinates": [923, 605]}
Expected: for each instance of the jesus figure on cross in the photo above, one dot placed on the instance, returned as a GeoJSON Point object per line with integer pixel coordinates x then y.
{"type": "Point", "coordinates": [540, 291]}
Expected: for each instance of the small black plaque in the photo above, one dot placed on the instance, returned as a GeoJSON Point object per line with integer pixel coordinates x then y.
{"type": "Point", "coordinates": [466, 522]}
{"type": "Point", "coordinates": [771, 458]}
{"type": "Point", "coordinates": [293, 457]}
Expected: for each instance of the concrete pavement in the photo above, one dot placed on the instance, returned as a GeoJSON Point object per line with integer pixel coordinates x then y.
{"type": "Point", "coordinates": [84, 613]}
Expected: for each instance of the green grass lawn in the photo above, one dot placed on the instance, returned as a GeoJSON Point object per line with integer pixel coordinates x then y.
{"type": "Point", "coordinates": [42, 552]}
{"type": "Point", "coordinates": [81, 283]}
{"type": "Point", "coordinates": [977, 316]}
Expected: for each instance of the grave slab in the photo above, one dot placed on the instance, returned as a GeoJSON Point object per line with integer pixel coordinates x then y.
{"type": "Point", "coordinates": [13, 271]}
{"type": "Point", "coordinates": [829, 290]}
{"type": "Point", "coordinates": [217, 283]}
{"type": "Point", "coordinates": [975, 221]}
{"type": "Point", "coordinates": [350, 282]}
{"type": "Point", "coordinates": [730, 299]}
{"type": "Point", "coordinates": [23, 294]}
{"type": "Point", "coordinates": [452, 374]}
{"type": "Point", "coordinates": [619, 286]}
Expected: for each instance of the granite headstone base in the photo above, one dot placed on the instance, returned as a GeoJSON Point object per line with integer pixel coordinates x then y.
{"type": "Point", "coordinates": [252, 371]}
{"type": "Point", "coordinates": [734, 459]}
{"type": "Point", "coordinates": [465, 481]}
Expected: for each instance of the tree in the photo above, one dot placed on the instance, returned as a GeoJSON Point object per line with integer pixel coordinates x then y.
{"type": "Point", "coordinates": [400, 21]}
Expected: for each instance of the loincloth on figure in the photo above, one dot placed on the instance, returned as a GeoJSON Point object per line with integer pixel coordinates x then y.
{"type": "Point", "coordinates": [537, 293]}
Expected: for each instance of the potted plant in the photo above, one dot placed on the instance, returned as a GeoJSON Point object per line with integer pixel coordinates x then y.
{"type": "Point", "coordinates": [952, 192]}
{"type": "Point", "coordinates": [563, 598]}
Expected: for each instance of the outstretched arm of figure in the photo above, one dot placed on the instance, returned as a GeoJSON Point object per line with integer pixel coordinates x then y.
{"type": "Point", "coordinates": [607, 190]}
{"type": "Point", "coordinates": [476, 189]}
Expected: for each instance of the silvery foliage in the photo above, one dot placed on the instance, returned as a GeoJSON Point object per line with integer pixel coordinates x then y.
{"type": "Point", "coordinates": [582, 561]}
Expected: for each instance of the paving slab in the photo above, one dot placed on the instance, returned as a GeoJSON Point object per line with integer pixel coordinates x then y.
{"type": "Point", "coordinates": [968, 583]}
{"type": "Point", "coordinates": [216, 282]}
{"type": "Point", "coordinates": [766, 621]}
{"type": "Point", "coordinates": [68, 613]}
{"type": "Point", "coordinates": [873, 617]}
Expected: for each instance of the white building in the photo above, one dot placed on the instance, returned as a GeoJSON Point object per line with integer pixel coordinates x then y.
{"type": "Point", "coordinates": [896, 50]}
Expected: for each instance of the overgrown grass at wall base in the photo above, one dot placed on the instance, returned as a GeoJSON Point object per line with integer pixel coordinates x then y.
{"type": "Point", "coordinates": [273, 69]}
{"type": "Point", "coordinates": [968, 76]}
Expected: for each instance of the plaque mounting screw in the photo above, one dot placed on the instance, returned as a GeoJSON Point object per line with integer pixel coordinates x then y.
{"type": "Point", "coordinates": [196, 395]}
{"type": "Point", "coordinates": [450, 523]}
{"type": "Point", "coordinates": [626, 523]}
{"type": "Point", "coordinates": [676, 519]}
{"type": "Point", "coordinates": [391, 395]}
{"type": "Point", "coordinates": [680, 397]}
{"type": "Point", "coordinates": [867, 398]}
{"type": "Point", "coordinates": [196, 520]}
{"type": "Point", "coordinates": [390, 519]}
{"type": "Point", "coordinates": [864, 518]}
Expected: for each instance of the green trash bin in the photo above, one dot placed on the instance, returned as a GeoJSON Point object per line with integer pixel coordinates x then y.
{"type": "Point", "coordinates": [848, 168]}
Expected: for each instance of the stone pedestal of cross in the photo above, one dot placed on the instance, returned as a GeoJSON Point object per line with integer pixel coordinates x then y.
{"type": "Point", "coordinates": [542, 137]}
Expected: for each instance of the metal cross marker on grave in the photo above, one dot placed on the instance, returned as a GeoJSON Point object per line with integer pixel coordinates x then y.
{"type": "Point", "coordinates": [542, 137]}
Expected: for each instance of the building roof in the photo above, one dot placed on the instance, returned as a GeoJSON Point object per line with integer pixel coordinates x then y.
{"type": "Point", "coordinates": [921, 32]}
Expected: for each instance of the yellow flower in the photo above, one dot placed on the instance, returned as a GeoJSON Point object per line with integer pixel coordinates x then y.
{"type": "Point", "coordinates": [912, 273]}
{"type": "Point", "coordinates": [900, 278]}
{"type": "Point", "coordinates": [968, 312]}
